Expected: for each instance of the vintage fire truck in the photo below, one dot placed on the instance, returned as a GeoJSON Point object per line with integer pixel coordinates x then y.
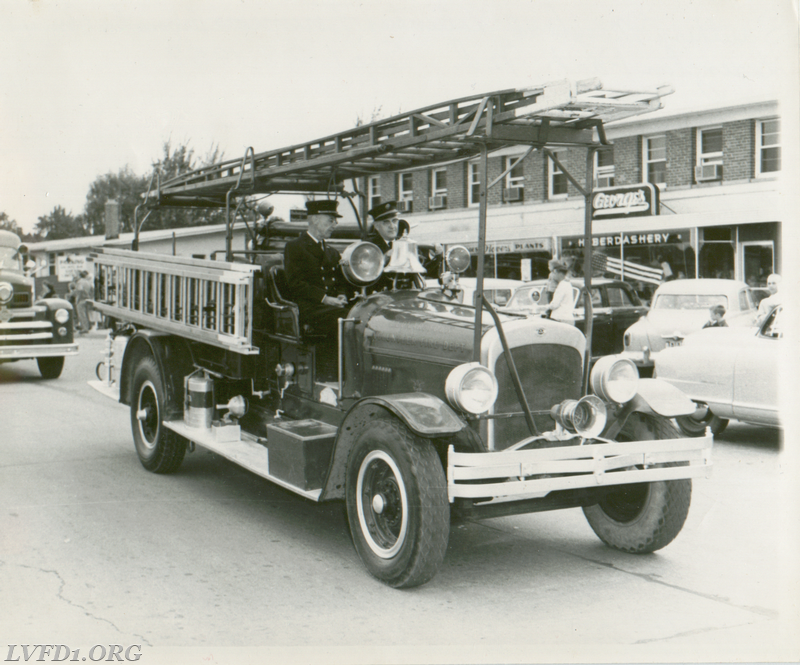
{"type": "Point", "coordinates": [423, 409]}
{"type": "Point", "coordinates": [31, 328]}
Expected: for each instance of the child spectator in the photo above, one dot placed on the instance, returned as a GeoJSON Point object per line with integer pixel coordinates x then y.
{"type": "Point", "coordinates": [717, 319]}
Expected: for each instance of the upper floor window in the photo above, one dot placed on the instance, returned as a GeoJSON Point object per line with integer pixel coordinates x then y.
{"type": "Point", "coordinates": [556, 179]}
{"type": "Point", "coordinates": [473, 183]}
{"type": "Point", "coordinates": [768, 146]}
{"type": "Point", "coordinates": [405, 191]}
{"type": "Point", "coordinates": [709, 154]}
{"type": "Point", "coordinates": [438, 189]}
{"type": "Point", "coordinates": [604, 168]}
{"type": "Point", "coordinates": [655, 159]}
{"type": "Point", "coordinates": [373, 191]}
{"type": "Point", "coordinates": [514, 186]}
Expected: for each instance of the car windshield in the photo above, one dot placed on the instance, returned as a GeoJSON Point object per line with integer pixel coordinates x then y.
{"type": "Point", "coordinates": [9, 259]}
{"type": "Point", "coordinates": [690, 301]}
{"type": "Point", "coordinates": [525, 298]}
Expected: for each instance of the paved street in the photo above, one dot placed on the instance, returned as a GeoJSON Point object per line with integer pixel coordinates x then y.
{"type": "Point", "coordinates": [94, 550]}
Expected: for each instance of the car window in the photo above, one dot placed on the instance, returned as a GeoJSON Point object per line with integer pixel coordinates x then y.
{"type": "Point", "coordinates": [597, 297]}
{"type": "Point", "coordinates": [772, 327]}
{"type": "Point", "coordinates": [525, 298]}
{"type": "Point", "coordinates": [689, 301]}
{"type": "Point", "coordinates": [746, 300]}
{"type": "Point", "coordinates": [498, 296]}
{"type": "Point", "coordinates": [9, 259]}
{"type": "Point", "coordinates": [618, 297]}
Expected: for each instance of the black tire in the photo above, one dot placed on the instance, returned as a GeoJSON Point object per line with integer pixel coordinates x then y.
{"type": "Point", "coordinates": [643, 517]}
{"type": "Point", "coordinates": [50, 367]}
{"type": "Point", "coordinates": [159, 449]}
{"type": "Point", "coordinates": [397, 507]}
{"type": "Point", "coordinates": [696, 423]}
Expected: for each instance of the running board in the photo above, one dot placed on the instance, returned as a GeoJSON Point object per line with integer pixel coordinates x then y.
{"type": "Point", "coordinates": [247, 451]}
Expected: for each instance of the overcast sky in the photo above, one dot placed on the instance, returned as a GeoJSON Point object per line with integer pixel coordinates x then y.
{"type": "Point", "coordinates": [88, 87]}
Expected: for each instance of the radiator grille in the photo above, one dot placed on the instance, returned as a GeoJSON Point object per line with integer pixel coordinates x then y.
{"type": "Point", "coordinates": [550, 373]}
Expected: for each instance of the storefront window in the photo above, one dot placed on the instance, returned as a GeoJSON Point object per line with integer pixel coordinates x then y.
{"type": "Point", "coordinates": [757, 262]}
{"type": "Point", "coordinates": [517, 259]}
{"type": "Point", "coordinates": [644, 260]}
{"type": "Point", "coordinates": [716, 257]}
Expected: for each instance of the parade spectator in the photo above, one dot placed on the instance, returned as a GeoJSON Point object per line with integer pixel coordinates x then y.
{"type": "Point", "coordinates": [717, 320]}
{"type": "Point", "coordinates": [84, 291]}
{"type": "Point", "coordinates": [562, 304]}
{"type": "Point", "coordinates": [771, 301]}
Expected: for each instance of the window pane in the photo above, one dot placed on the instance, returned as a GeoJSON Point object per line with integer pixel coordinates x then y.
{"type": "Point", "coordinates": [770, 160]}
{"type": "Point", "coordinates": [657, 172]}
{"type": "Point", "coordinates": [711, 141]}
{"type": "Point", "coordinates": [657, 148]}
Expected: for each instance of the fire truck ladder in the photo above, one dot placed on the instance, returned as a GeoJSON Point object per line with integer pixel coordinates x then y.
{"type": "Point", "coordinates": [557, 114]}
{"type": "Point", "coordinates": [207, 301]}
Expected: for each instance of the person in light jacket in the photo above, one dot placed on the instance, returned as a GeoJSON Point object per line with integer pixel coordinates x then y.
{"type": "Point", "coordinates": [562, 304]}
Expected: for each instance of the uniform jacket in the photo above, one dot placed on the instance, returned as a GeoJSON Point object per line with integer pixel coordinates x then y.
{"type": "Point", "coordinates": [312, 272]}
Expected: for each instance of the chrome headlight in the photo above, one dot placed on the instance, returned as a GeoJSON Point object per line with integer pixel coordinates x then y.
{"type": "Point", "coordinates": [615, 379]}
{"type": "Point", "coordinates": [62, 315]}
{"type": "Point", "coordinates": [587, 416]}
{"type": "Point", "coordinates": [458, 259]}
{"type": "Point", "coordinates": [471, 388]}
{"type": "Point", "coordinates": [6, 292]}
{"type": "Point", "coordinates": [362, 263]}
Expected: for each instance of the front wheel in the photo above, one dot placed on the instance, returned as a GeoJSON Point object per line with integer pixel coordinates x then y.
{"type": "Point", "coordinates": [397, 506]}
{"type": "Point", "coordinates": [50, 367]}
{"type": "Point", "coordinates": [642, 517]}
{"type": "Point", "coordinates": [695, 424]}
{"type": "Point", "coordinates": [159, 449]}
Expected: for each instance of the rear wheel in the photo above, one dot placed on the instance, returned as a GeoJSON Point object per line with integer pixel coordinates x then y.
{"type": "Point", "coordinates": [642, 517]}
{"type": "Point", "coordinates": [397, 505]}
{"type": "Point", "coordinates": [159, 449]}
{"type": "Point", "coordinates": [696, 423]}
{"type": "Point", "coordinates": [50, 367]}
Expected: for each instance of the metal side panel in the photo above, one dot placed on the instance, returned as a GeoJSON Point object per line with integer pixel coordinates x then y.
{"type": "Point", "coordinates": [247, 452]}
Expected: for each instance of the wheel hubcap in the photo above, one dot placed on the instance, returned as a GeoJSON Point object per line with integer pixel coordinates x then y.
{"type": "Point", "coordinates": [147, 414]}
{"type": "Point", "coordinates": [382, 504]}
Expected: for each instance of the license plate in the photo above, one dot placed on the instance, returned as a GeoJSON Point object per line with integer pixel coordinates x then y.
{"type": "Point", "coordinates": [674, 342]}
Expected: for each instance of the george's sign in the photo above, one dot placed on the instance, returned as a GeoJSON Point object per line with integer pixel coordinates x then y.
{"type": "Point", "coordinates": [630, 201]}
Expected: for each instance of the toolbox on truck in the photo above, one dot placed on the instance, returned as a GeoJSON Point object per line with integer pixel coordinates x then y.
{"type": "Point", "coordinates": [300, 451]}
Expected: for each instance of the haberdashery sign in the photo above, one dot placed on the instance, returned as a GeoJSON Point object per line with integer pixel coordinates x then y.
{"type": "Point", "coordinates": [632, 239]}
{"type": "Point", "coordinates": [631, 201]}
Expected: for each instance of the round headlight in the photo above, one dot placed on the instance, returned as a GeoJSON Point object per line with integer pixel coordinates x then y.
{"type": "Point", "coordinates": [62, 315]}
{"type": "Point", "coordinates": [6, 292]}
{"type": "Point", "coordinates": [615, 379]}
{"type": "Point", "coordinates": [362, 263]}
{"type": "Point", "coordinates": [458, 258]}
{"type": "Point", "coordinates": [471, 388]}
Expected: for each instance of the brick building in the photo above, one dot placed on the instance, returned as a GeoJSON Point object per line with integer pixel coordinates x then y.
{"type": "Point", "coordinates": [716, 174]}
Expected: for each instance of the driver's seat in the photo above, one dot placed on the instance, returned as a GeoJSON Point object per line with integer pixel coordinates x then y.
{"type": "Point", "coordinates": [287, 313]}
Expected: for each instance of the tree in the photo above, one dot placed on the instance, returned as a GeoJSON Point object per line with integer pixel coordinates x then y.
{"type": "Point", "coordinates": [128, 190]}
{"type": "Point", "coordinates": [60, 224]}
{"type": "Point", "coordinates": [125, 187]}
{"type": "Point", "coordinates": [175, 162]}
{"type": "Point", "coordinates": [8, 224]}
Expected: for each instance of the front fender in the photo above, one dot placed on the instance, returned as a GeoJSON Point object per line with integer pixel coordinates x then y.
{"type": "Point", "coordinates": [662, 398]}
{"type": "Point", "coordinates": [423, 414]}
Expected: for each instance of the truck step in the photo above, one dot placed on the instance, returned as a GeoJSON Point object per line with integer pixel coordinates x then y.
{"type": "Point", "coordinates": [249, 452]}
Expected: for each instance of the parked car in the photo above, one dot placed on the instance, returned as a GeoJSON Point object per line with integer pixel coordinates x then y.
{"type": "Point", "coordinates": [729, 373]}
{"type": "Point", "coordinates": [681, 307]}
{"type": "Point", "coordinates": [497, 291]}
{"type": "Point", "coordinates": [615, 307]}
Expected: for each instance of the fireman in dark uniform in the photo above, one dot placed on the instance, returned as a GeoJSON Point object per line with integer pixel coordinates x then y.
{"type": "Point", "coordinates": [313, 275]}
{"type": "Point", "coordinates": [388, 227]}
